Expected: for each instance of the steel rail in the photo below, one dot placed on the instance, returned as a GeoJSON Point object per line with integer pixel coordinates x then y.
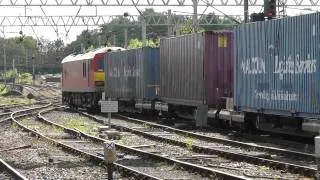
{"type": "Point", "coordinates": [293, 168]}
{"type": "Point", "coordinates": [8, 114]}
{"type": "Point", "coordinates": [95, 158]}
{"type": "Point", "coordinates": [126, 170]}
{"type": "Point", "coordinates": [11, 170]}
{"type": "Point", "coordinates": [190, 166]}
{"type": "Point", "coordinates": [217, 139]}
{"type": "Point", "coordinates": [5, 165]}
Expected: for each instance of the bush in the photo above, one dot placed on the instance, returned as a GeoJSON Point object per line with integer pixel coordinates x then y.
{"type": "Point", "coordinates": [25, 78]}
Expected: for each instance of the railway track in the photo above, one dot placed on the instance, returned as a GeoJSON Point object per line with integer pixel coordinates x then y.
{"type": "Point", "coordinates": [211, 138]}
{"type": "Point", "coordinates": [281, 159]}
{"type": "Point", "coordinates": [139, 164]}
{"type": "Point", "coordinates": [9, 109]}
{"type": "Point", "coordinates": [8, 172]}
{"type": "Point", "coordinates": [159, 166]}
{"type": "Point", "coordinates": [186, 151]}
{"type": "Point", "coordinates": [41, 159]}
{"type": "Point", "coordinates": [40, 92]}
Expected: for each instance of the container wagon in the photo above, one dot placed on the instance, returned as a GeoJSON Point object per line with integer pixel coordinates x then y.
{"type": "Point", "coordinates": [277, 74]}
{"type": "Point", "coordinates": [196, 74]}
{"type": "Point", "coordinates": [132, 78]}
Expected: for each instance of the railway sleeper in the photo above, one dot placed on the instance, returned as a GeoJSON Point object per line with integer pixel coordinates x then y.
{"type": "Point", "coordinates": [229, 155]}
{"type": "Point", "coordinates": [204, 171]}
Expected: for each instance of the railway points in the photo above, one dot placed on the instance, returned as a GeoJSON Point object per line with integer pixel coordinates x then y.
{"type": "Point", "coordinates": [166, 144]}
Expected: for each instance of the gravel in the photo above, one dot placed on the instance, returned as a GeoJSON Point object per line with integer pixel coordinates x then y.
{"type": "Point", "coordinates": [43, 160]}
{"type": "Point", "coordinates": [10, 110]}
{"type": "Point", "coordinates": [259, 139]}
{"type": "Point", "coordinates": [177, 152]}
{"type": "Point", "coordinates": [144, 164]}
{"type": "Point", "coordinates": [262, 140]}
{"type": "Point", "coordinates": [5, 175]}
{"type": "Point", "coordinates": [211, 144]}
{"type": "Point", "coordinates": [44, 91]}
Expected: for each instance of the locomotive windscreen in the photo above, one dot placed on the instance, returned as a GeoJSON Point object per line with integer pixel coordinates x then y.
{"type": "Point", "coordinates": [100, 64]}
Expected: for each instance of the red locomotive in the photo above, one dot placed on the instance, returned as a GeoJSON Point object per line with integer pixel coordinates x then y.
{"type": "Point", "coordinates": [83, 77]}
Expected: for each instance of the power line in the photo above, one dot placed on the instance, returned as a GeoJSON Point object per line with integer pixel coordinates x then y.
{"type": "Point", "coordinates": [222, 12]}
{"type": "Point", "coordinates": [141, 3]}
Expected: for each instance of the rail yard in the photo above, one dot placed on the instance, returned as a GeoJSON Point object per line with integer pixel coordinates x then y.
{"type": "Point", "coordinates": [234, 102]}
{"type": "Point", "coordinates": [46, 139]}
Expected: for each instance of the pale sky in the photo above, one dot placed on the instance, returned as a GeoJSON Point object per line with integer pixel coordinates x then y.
{"type": "Point", "coordinates": [49, 32]}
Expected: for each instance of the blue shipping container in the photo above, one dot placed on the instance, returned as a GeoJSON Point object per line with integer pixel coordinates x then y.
{"type": "Point", "coordinates": [277, 66]}
{"type": "Point", "coordinates": [148, 81]}
{"type": "Point", "coordinates": [132, 74]}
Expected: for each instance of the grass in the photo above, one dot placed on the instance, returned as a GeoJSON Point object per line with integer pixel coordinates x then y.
{"type": "Point", "coordinates": [12, 100]}
{"type": "Point", "coordinates": [146, 125]}
{"type": "Point", "coordinates": [264, 168]}
{"type": "Point", "coordinates": [189, 142]}
{"type": "Point", "coordinates": [15, 100]}
{"type": "Point", "coordinates": [80, 125]}
{"type": "Point", "coordinates": [25, 81]}
{"type": "Point", "coordinates": [3, 89]}
{"type": "Point", "coordinates": [24, 121]}
{"type": "Point", "coordinates": [57, 129]}
{"type": "Point", "coordinates": [124, 141]}
{"type": "Point", "coordinates": [25, 78]}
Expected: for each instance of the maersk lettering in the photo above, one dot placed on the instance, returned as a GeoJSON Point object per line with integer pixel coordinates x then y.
{"type": "Point", "coordinates": [254, 65]}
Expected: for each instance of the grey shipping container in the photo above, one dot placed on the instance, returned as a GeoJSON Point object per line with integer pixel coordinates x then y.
{"type": "Point", "coordinates": [132, 74]}
{"type": "Point", "coordinates": [120, 78]}
{"type": "Point", "coordinates": [277, 66]}
{"type": "Point", "coordinates": [196, 68]}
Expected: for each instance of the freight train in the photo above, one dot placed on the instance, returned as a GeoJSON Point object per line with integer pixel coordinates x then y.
{"type": "Point", "coordinates": [261, 75]}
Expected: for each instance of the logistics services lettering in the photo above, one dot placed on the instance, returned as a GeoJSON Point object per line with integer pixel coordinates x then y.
{"type": "Point", "coordinates": [276, 95]}
{"type": "Point", "coordinates": [297, 66]}
{"type": "Point", "coordinates": [124, 72]}
{"type": "Point", "coordinates": [287, 65]}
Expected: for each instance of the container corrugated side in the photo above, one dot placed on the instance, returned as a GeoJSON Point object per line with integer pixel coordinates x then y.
{"type": "Point", "coordinates": [181, 69]}
{"type": "Point", "coordinates": [121, 72]}
{"type": "Point", "coordinates": [218, 65]}
{"type": "Point", "coordinates": [147, 82]}
{"type": "Point", "coordinates": [277, 65]}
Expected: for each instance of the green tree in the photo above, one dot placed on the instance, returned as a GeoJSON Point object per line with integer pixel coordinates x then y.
{"type": "Point", "coordinates": [136, 43]}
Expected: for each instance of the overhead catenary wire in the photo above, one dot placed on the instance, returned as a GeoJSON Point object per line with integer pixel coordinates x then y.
{"type": "Point", "coordinates": [231, 18]}
{"type": "Point", "coordinates": [144, 26]}
{"type": "Point", "coordinates": [304, 9]}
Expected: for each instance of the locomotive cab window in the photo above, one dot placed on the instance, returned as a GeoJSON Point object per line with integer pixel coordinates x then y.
{"type": "Point", "coordinates": [100, 65]}
{"type": "Point", "coordinates": [84, 69]}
